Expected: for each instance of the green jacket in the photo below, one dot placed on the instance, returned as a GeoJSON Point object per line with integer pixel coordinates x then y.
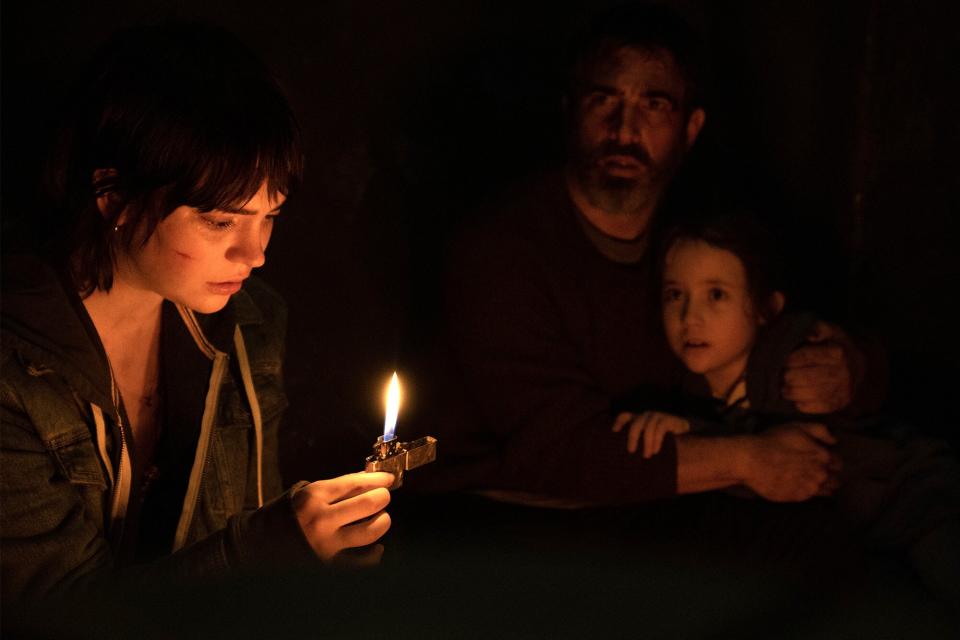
{"type": "Point", "coordinates": [68, 491]}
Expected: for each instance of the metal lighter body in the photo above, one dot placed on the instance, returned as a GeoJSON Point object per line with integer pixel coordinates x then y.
{"type": "Point", "coordinates": [396, 457]}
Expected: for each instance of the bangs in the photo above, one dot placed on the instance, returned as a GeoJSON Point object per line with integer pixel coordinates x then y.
{"type": "Point", "coordinates": [226, 173]}
{"type": "Point", "coordinates": [225, 132]}
{"type": "Point", "coordinates": [191, 117]}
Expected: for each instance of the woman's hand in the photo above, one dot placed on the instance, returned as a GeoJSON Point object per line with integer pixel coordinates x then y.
{"type": "Point", "coordinates": [653, 426]}
{"type": "Point", "coordinates": [345, 512]}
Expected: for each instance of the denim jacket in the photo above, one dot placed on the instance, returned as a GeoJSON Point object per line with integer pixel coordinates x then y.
{"type": "Point", "coordinates": [65, 471]}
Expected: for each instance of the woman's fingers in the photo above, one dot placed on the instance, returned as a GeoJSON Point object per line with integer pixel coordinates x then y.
{"type": "Point", "coordinates": [343, 512]}
{"type": "Point", "coordinates": [352, 484]}
{"type": "Point", "coordinates": [364, 532]}
{"type": "Point", "coordinates": [359, 507]}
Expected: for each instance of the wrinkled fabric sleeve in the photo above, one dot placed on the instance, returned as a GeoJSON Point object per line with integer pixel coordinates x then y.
{"type": "Point", "coordinates": [53, 540]}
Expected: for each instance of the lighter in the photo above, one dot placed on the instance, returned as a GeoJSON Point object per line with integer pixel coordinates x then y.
{"type": "Point", "coordinates": [396, 457]}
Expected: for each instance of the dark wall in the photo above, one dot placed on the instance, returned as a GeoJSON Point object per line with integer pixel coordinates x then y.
{"type": "Point", "coordinates": [835, 115]}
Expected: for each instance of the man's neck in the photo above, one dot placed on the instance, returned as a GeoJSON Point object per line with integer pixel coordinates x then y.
{"type": "Point", "coordinates": [628, 225]}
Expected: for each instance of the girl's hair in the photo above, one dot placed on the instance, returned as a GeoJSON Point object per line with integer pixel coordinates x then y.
{"type": "Point", "coordinates": [166, 116]}
{"type": "Point", "coordinates": [743, 234]}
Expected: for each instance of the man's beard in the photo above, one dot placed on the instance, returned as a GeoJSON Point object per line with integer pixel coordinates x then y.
{"type": "Point", "coordinates": [620, 194]}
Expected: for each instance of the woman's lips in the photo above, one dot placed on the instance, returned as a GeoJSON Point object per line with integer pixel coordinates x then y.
{"type": "Point", "coordinates": [225, 288]}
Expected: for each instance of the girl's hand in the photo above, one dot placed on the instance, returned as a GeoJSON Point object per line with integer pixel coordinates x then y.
{"type": "Point", "coordinates": [343, 513]}
{"type": "Point", "coordinates": [653, 426]}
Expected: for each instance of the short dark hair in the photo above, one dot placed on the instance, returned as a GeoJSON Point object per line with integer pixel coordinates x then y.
{"type": "Point", "coordinates": [180, 114]}
{"type": "Point", "coordinates": [743, 233]}
{"type": "Point", "coordinates": [647, 27]}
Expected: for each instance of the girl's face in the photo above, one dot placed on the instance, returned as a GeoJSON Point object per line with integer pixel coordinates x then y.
{"type": "Point", "coordinates": [708, 314]}
{"type": "Point", "coordinates": [201, 259]}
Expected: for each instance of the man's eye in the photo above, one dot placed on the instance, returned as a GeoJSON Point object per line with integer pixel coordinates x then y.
{"type": "Point", "coordinates": [658, 104]}
{"type": "Point", "coordinates": [598, 99]}
{"type": "Point", "coordinates": [717, 294]}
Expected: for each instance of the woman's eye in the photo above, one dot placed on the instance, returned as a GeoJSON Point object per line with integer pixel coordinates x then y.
{"type": "Point", "coordinates": [217, 224]}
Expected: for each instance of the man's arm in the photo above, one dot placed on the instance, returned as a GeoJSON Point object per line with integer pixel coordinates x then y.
{"type": "Point", "coordinates": [784, 464]}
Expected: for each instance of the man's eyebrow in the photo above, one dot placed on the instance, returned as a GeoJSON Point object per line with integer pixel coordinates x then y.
{"type": "Point", "coordinates": [603, 88]}
{"type": "Point", "coordinates": [662, 93]}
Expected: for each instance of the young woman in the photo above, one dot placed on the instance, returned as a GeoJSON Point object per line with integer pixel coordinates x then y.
{"type": "Point", "coordinates": [142, 388]}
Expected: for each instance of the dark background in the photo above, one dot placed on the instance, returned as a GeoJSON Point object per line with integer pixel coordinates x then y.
{"type": "Point", "coordinates": [840, 117]}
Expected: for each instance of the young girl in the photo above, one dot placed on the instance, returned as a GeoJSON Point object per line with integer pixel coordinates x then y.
{"type": "Point", "coordinates": [142, 388]}
{"type": "Point", "coordinates": [721, 291]}
{"type": "Point", "coordinates": [723, 318]}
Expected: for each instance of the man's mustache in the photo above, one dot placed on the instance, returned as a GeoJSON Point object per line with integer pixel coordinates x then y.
{"type": "Point", "coordinates": [634, 151]}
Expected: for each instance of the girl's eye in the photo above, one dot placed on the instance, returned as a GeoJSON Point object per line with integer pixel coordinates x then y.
{"type": "Point", "coordinates": [717, 294]}
{"type": "Point", "coordinates": [672, 295]}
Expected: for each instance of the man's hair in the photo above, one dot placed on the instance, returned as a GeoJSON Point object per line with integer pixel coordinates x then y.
{"type": "Point", "coordinates": [647, 27]}
{"type": "Point", "coordinates": [180, 114]}
{"type": "Point", "coordinates": [742, 233]}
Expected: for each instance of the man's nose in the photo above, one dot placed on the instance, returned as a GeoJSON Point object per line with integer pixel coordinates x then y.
{"type": "Point", "coordinates": [626, 129]}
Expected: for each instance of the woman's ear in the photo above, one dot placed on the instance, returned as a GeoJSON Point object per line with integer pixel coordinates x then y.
{"type": "Point", "coordinates": [775, 304]}
{"type": "Point", "coordinates": [108, 200]}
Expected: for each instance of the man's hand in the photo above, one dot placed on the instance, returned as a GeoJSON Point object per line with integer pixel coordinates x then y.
{"type": "Point", "coordinates": [653, 426]}
{"type": "Point", "coordinates": [791, 463]}
{"type": "Point", "coordinates": [344, 512]}
{"type": "Point", "coordinates": [818, 376]}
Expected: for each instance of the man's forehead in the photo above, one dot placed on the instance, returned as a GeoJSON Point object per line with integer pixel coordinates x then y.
{"type": "Point", "coordinates": [626, 65]}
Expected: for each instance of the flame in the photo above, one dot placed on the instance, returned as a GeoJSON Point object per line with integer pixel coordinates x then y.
{"type": "Point", "coordinates": [393, 408]}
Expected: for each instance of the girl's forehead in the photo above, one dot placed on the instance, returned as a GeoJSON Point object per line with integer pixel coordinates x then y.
{"type": "Point", "coordinates": [695, 259]}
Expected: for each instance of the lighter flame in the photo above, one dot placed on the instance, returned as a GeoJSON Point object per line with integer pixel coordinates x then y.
{"type": "Point", "coordinates": [393, 408]}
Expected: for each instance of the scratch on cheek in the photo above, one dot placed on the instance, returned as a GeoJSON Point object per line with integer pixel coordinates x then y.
{"type": "Point", "coordinates": [183, 255]}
